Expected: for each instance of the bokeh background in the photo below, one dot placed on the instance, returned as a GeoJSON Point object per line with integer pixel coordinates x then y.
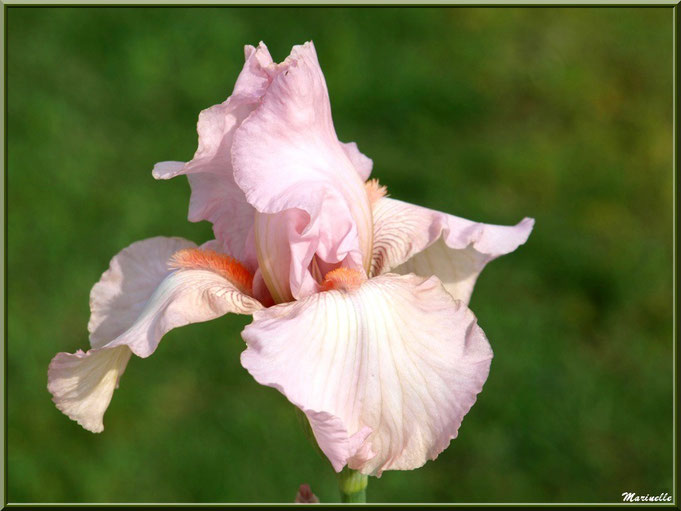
{"type": "Point", "coordinates": [493, 114]}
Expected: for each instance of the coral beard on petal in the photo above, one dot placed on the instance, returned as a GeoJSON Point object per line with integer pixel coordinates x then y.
{"type": "Point", "coordinates": [228, 267]}
{"type": "Point", "coordinates": [375, 190]}
{"type": "Point", "coordinates": [151, 287]}
{"type": "Point", "coordinates": [342, 279]}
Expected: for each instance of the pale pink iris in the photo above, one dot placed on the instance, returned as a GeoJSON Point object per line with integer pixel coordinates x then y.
{"type": "Point", "coordinates": [359, 301]}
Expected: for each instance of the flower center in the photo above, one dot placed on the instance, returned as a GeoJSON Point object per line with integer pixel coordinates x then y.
{"type": "Point", "coordinates": [224, 265]}
{"type": "Point", "coordinates": [343, 279]}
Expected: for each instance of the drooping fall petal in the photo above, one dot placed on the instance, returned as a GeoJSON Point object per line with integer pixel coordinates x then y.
{"type": "Point", "coordinates": [396, 360]}
{"type": "Point", "coordinates": [82, 384]}
{"type": "Point", "coordinates": [117, 300]}
{"type": "Point", "coordinates": [151, 287]}
{"type": "Point", "coordinates": [286, 155]}
{"type": "Point", "coordinates": [413, 239]}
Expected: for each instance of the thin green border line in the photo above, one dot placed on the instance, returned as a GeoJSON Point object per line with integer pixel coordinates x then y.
{"type": "Point", "coordinates": [674, 302]}
{"type": "Point", "coordinates": [675, 53]}
{"type": "Point", "coordinates": [337, 504]}
{"type": "Point", "coordinates": [3, 254]}
{"type": "Point", "coordinates": [345, 3]}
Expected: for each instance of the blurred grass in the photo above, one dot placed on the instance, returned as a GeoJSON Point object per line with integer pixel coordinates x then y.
{"type": "Point", "coordinates": [491, 114]}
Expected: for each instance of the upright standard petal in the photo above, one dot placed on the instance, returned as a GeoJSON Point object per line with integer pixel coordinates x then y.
{"type": "Point", "coordinates": [412, 239]}
{"type": "Point", "coordinates": [215, 197]}
{"type": "Point", "coordinates": [286, 155]}
{"type": "Point", "coordinates": [151, 287]}
{"type": "Point", "coordinates": [385, 371]}
{"type": "Point", "coordinates": [363, 164]}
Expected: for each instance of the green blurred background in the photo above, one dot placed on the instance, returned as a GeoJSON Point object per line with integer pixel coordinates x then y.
{"type": "Point", "coordinates": [493, 114]}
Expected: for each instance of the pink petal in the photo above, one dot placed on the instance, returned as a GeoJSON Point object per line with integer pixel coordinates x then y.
{"type": "Point", "coordinates": [363, 164]}
{"type": "Point", "coordinates": [256, 75]}
{"type": "Point", "coordinates": [288, 241]}
{"type": "Point", "coordinates": [412, 239]}
{"type": "Point", "coordinates": [385, 373]}
{"type": "Point", "coordinates": [117, 300]}
{"type": "Point", "coordinates": [280, 243]}
{"type": "Point", "coordinates": [137, 300]}
{"type": "Point", "coordinates": [215, 197]}
{"type": "Point", "coordinates": [168, 169]}
{"type": "Point", "coordinates": [332, 436]}
{"type": "Point", "coordinates": [286, 155]}
{"type": "Point", "coordinates": [184, 297]}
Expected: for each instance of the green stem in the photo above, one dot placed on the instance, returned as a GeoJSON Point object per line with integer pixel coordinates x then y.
{"type": "Point", "coordinates": [352, 485]}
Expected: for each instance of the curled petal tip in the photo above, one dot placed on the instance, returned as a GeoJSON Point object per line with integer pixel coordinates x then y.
{"type": "Point", "coordinates": [167, 169]}
{"type": "Point", "coordinates": [528, 224]}
{"type": "Point", "coordinates": [137, 300]}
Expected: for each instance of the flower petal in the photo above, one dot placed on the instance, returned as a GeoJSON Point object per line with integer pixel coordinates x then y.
{"type": "Point", "coordinates": [82, 384]}
{"type": "Point", "coordinates": [215, 197]}
{"type": "Point", "coordinates": [140, 297]}
{"type": "Point", "coordinates": [137, 300]}
{"type": "Point", "coordinates": [256, 75]}
{"type": "Point", "coordinates": [286, 155]}
{"type": "Point", "coordinates": [332, 437]}
{"type": "Point", "coordinates": [363, 164]}
{"type": "Point", "coordinates": [279, 244]}
{"type": "Point", "coordinates": [184, 297]}
{"type": "Point", "coordinates": [398, 358]}
{"type": "Point", "coordinates": [117, 300]}
{"type": "Point", "coordinates": [288, 242]}
{"type": "Point", "coordinates": [412, 239]}
{"type": "Point", "coordinates": [168, 169]}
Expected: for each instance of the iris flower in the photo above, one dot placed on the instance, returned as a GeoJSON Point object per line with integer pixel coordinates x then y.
{"type": "Point", "coordinates": [359, 301]}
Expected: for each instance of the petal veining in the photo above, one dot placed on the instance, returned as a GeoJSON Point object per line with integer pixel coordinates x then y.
{"type": "Point", "coordinates": [139, 299]}
{"type": "Point", "coordinates": [413, 239]}
{"type": "Point", "coordinates": [397, 359]}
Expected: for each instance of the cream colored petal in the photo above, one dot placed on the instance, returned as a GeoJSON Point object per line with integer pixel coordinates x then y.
{"type": "Point", "coordinates": [82, 384]}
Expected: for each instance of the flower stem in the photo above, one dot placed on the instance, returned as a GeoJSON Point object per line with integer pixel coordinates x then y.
{"type": "Point", "coordinates": [352, 485]}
